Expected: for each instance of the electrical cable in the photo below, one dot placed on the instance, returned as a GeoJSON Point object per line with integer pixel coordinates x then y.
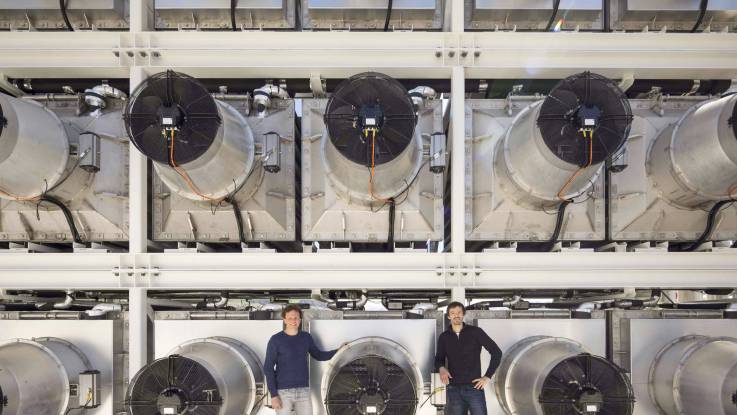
{"type": "Point", "coordinates": [63, 9]}
{"type": "Point", "coordinates": [67, 215]}
{"type": "Point", "coordinates": [172, 162]}
{"type": "Point", "coordinates": [238, 217]}
{"type": "Point", "coordinates": [233, 4]}
{"type": "Point", "coordinates": [392, 214]}
{"type": "Point", "coordinates": [89, 399]}
{"type": "Point", "coordinates": [710, 222]}
{"type": "Point", "coordinates": [588, 164]}
{"type": "Point", "coordinates": [558, 225]}
{"type": "Point", "coordinates": [431, 395]}
{"type": "Point", "coordinates": [702, 12]}
{"type": "Point", "coordinates": [556, 5]}
{"type": "Point", "coordinates": [388, 15]}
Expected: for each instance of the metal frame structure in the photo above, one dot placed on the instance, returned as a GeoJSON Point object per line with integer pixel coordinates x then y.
{"type": "Point", "coordinates": [452, 54]}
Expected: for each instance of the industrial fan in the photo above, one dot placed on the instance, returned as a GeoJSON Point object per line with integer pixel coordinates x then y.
{"type": "Point", "coordinates": [371, 385]}
{"type": "Point", "coordinates": [580, 107]}
{"type": "Point", "coordinates": [173, 385]}
{"type": "Point", "coordinates": [172, 102]}
{"type": "Point", "coordinates": [586, 385]}
{"type": "Point", "coordinates": [370, 119]}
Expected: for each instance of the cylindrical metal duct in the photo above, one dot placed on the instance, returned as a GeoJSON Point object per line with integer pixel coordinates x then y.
{"type": "Point", "coordinates": [202, 148]}
{"type": "Point", "coordinates": [543, 375]}
{"type": "Point", "coordinates": [224, 167]}
{"type": "Point", "coordinates": [34, 148]}
{"type": "Point", "coordinates": [694, 161]}
{"type": "Point", "coordinates": [695, 375]}
{"type": "Point", "coordinates": [35, 375]}
{"type": "Point", "coordinates": [371, 148]}
{"type": "Point", "coordinates": [351, 180]}
{"type": "Point", "coordinates": [217, 375]}
{"type": "Point", "coordinates": [372, 375]}
{"type": "Point", "coordinates": [555, 148]}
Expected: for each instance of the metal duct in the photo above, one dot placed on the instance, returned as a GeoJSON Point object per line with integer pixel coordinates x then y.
{"type": "Point", "coordinates": [34, 149]}
{"type": "Point", "coordinates": [213, 146]}
{"type": "Point", "coordinates": [542, 375]}
{"type": "Point", "coordinates": [694, 161]}
{"type": "Point", "coordinates": [695, 375]}
{"type": "Point", "coordinates": [546, 156]}
{"type": "Point", "coordinates": [36, 376]}
{"type": "Point", "coordinates": [215, 375]}
{"type": "Point", "coordinates": [371, 121]}
{"type": "Point", "coordinates": [372, 375]}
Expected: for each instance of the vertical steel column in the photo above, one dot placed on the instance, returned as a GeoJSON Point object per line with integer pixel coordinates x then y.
{"type": "Point", "coordinates": [458, 294]}
{"type": "Point", "coordinates": [457, 20]}
{"type": "Point", "coordinates": [138, 229]}
{"type": "Point", "coordinates": [457, 182]}
{"type": "Point", "coordinates": [141, 15]}
{"type": "Point", "coordinates": [137, 330]}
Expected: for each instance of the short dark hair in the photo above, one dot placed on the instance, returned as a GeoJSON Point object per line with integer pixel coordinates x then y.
{"type": "Point", "coordinates": [291, 307]}
{"type": "Point", "coordinates": [456, 304]}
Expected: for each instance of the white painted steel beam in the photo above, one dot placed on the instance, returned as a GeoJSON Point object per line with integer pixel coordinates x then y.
{"type": "Point", "coordinates": [137, 182]}
{"type": "Point", "coordinates": [369, 270]}
{"type": "Point", "coordinates": [644, 55]}
{"type": "Point", "coordinates": [137, 329]}
{"type": "Point", "coordinates": [458, 157]}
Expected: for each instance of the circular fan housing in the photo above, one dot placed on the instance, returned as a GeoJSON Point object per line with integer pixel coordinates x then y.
{"type": "Point", "coordinates": [174, 383]}
{"type": "Point", "coordinates": [171, 101]}
{"type": "Point", "coordinates": [370, 101]}
{"type": "Point", "coordinates": [373, 375]}
{"type": "Point", "coordinates": [586, 384]}
{"type": "Point", "coordinates": [585, 101]}
{"type": "Point", "coordinates": [371, 385]}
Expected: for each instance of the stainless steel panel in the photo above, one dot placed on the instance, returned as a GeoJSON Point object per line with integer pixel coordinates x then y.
{"type": "Point", "coordinates": [371, 14]}
{"type": "Point", "coordinates": [536, 5]}
{"type": "Point", "coordinates": [99, 202]}
{"type": "Point", "coordinates": [326, 216]}
{"type": "Point", "coordinates": [54, 5]}
{"type": "Point", "coordinates": [372, 4]}
{"type": "Point", "coordinates": [679, 15]}
{"type": "Point", "coordinates": [637, 211]}
{"type": "Point", "coordinates": [267, 200]}
{"type": "Point", "coordinates": [532, 14]}
{"type": "Point", "coordinates": [215, 14]}
{"type": "Point", "coordinates": [648, 336]}
{"type": "Point", "coordinates": [491, 213]}
{"type": "Point", "coordinates": [418, 337]}
{"type": "Point", "coordinates": [95, 338]}
{"type": "Point", "coordinates": [218, 4]}
{"type": "Point", "coordinates": [45, 15]}
{"type": "Point", "coordinates": [255, 334]}
{"type": "Point", "coordinates": [591, 333]}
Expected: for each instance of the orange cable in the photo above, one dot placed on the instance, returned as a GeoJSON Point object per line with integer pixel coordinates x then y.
{"type": "Point", "coordinates": [185, 176]}
{"type": "Point", "coordinates": [371, 178]}
{"type": "Point", "coordinates": [591, 158]}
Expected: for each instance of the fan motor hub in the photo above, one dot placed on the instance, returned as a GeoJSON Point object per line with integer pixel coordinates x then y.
{"type": "Point", "coordinates": [588, 116]}
{"type": "Point", "coordinates": [589, 399]}
{"type": "Point", "coordinates": [170, 117]}
{"type": "Point", "coordinates": [372, 400]}
{"type": "Point", "coordinates": [172, 398]}
{"type": "Point", "coordinates": [370, 116]}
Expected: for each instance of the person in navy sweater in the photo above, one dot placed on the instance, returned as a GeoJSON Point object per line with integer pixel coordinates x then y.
{"type": "Point", "coordinates": [286, 366]}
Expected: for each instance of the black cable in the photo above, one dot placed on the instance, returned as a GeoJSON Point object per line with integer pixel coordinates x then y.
{"type": "Point", "coordinates": [63, 8]}
{"type": "Point", "coordinates": [556, 5]}
{"type": "Point", "coordinates": [710, 221]}
{"type": "Point", "coordinates": [388, 15]}
{"type": "Point", "coordinates": [238, 218]}
{"type": "Point", "coordinates": [67, 215]}
{"type": "Point", "coordinates": [392, 215]}
{"type": "Point", "coordinates": [702, 12]}
{"type": "Point", "coordinates": [233, 3]}
{"type": "Point", "coordinates": [558, 225]}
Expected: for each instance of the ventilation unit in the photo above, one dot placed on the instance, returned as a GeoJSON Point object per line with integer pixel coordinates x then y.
{"type": "Point", "coordinates": [77, 15]}
{"type": "Point", "coordinates": [211, 157]}
{"type": "Point", "coordinates": [212, 376]}
{"type": "Point", "coordinates": [534, 15]}
{"type": "Point", "coordinates": [372, 160]}
{"type": "Point", "coordinates": [373, 14]}
{"type": "Point", "coordinates": [224, 15]}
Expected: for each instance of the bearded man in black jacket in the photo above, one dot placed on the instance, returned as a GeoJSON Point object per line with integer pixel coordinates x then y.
{"type": "Point", "coordinates": [458, 360]}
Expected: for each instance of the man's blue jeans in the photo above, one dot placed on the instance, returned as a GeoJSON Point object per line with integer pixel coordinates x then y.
{"type": "Point", "coordinates": [462, 398]}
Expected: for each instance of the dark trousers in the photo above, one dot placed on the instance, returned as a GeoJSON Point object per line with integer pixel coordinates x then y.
{"type": "Point", "coordinates": [464, 398]}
